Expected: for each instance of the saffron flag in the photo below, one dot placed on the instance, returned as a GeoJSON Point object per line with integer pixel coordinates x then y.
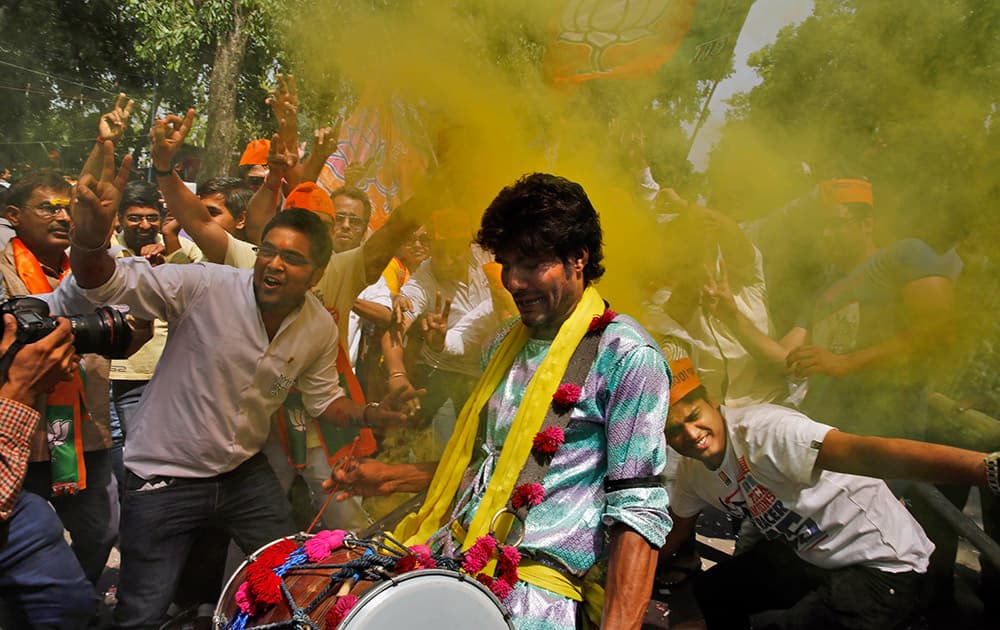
{"type": "Point", "coordinates": [631, 39]}
{"type": "Point", "coordinates": [622, 39]}
{"type": "Point", "coordinates": [384, 150]}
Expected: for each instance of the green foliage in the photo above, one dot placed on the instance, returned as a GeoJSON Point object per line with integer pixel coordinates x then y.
{"type": "Point", "coordinates": [902, 93]}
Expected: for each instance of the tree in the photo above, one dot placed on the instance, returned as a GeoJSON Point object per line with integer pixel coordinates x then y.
{"type": "Point", "coordinates": [228, 48]}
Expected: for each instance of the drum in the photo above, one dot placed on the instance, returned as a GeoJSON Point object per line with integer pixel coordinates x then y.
{"type": "Point", "coordinates": [421, 599]}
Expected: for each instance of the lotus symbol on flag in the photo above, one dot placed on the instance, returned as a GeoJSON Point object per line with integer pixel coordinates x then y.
{"type": "Point", "coordinates": [601, 24]}
{"type": "Point", "coordinates": [58, 432]}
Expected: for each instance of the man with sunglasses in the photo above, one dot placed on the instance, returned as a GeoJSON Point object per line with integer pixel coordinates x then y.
{"type": "Point", "coordinates": [77, 480]}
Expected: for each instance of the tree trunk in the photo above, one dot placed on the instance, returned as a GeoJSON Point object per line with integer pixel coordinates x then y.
{"type": "Point", "coordinates": [220, 148]}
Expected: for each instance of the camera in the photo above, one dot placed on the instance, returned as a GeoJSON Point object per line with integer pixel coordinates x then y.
{"type": "Point", "coordinates": [104, 332]}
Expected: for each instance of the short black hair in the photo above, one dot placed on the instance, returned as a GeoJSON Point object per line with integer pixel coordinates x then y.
{"type": "Point", "coordinates": [234, 190]}
{"type": "Point", "coordinates": [355, 193]}
{"type": "Point", "coordinates": [308, 223]}
{"type": "Point", "coordinates": [140, 194]}
{"type": "Point", "coordinates": [542, 215]}
{"type": "Point", "coordinates": [21, 190]}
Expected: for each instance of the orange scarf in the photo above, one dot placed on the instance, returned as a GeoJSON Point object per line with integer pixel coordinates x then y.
{"type": "Point", "coordinates": [66, 406]}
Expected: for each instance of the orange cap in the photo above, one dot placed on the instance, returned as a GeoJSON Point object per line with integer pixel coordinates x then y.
{"type": "Point", "coordinates": [309, 196]}
{"type": "Point", "coordinates": [685, 379]}
{"type": "Point", "coordinates": [846, 191]}
{"type": "Point", "coordinates": [256, 152]}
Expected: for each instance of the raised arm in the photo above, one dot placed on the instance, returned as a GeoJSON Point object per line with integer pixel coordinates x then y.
{"type": "Point", "coordinates": [95, 204]}
{"type": "Point", "coordinates": [382, 246]}
{"type": "Point", "coordinates": [167, 139]}
{"type": "Point", "coordinates": [264, 204]}
{"type": "Point", "coordinates": [284, 101]}
{"type": "Point", "coordinates": [717, 297]}
{"type": "Point", "coordinates": [928, 305]}
{"type": "Point", "coordinates": [324, 143]}
{"type": "Point", "coordinates": [111, 127]}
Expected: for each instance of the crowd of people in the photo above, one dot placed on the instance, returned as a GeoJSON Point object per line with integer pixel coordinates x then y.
{"type": "Point", "coordinates": [275, 335]}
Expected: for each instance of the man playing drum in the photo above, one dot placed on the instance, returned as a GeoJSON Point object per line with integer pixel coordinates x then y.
{"type": "Point", "coordinates": [573, 400]}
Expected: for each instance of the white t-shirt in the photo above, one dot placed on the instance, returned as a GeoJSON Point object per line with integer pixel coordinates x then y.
{"type": "Point", "coordinates": [832, 520]}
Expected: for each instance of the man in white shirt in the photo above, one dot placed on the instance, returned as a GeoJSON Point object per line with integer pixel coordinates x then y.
{"type": "Point", "coordinates": [840, 546]}
{"type": "Point", "coordinates": [239, 340]}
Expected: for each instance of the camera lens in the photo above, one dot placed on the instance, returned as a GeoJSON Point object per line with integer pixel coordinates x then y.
{"type": "Point", "coordinates": [104, 332]}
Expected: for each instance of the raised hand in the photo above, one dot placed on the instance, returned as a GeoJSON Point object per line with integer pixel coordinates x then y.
{"type": "Point", "coordinates": [435, 324]}
{"type": "Point", "coordinates": [324, 143]}
{"type": "Point", "coordinates": [284, 101]}
{"type": "Point", "coordinates": [168, 135]}
{"type": "Point", "coordinates": [112, 124]}
{"type": "Point", "coordinates": [95, 201]}
{"type": "Point", "coordinates": [717, 296]}
{"type": "Point", "coordinates": [280, 158]}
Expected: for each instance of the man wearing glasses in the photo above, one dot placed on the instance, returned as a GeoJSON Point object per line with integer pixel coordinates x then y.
{"type": "Point", "coordinates": [77, 480]}
{"type": "Point", "coordinates": [240, 338]}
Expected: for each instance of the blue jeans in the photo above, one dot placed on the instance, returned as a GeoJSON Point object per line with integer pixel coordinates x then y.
{"type": "Point", "coordinates": [159, 526]}
{"type": "Point", "coordinates": [125, 397]}
{"type": "Point", "coordinates": [40, 578]}
{"type": "Point", "coordinates": [90, 516]}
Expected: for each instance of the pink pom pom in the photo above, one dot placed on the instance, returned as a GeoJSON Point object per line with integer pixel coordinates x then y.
{"type": "Point", "coordinates": [423, 555]}
{"type": "Point", "coordinates": [501, 589]}
{"type": "Point", "coordinates": [566, 395]}
{"type": "Point", "coordinates": [323, 543]}
{"type": "Point", "coordinates": [479, 554]}
{"type": "Point", "coordinates": [244, 599]}
{"type": "Point", "coordinates": [507, 563]}
{"type": "Point", "coordinates": [529, 494]}
{"type": "Point", "coordinates": [340, 610]}
{"type": "Point", "coordinates": [548, 440]}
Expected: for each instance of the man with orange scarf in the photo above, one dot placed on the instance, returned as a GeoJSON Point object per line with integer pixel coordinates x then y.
{"type": "Point", "coordinates": [70, 457]}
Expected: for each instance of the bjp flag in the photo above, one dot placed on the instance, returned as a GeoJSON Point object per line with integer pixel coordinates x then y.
{"type": "Point", "coordinates": [621, 39]}
{"type": "Point", "coordinates": [383, 150]}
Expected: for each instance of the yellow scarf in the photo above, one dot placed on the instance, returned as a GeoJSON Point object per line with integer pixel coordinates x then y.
{"type": "Point", "coordinates": [434, 513]}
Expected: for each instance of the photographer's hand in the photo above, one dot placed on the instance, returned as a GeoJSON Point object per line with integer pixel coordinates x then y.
{"type": "Point", "coordinates": [38, 367]}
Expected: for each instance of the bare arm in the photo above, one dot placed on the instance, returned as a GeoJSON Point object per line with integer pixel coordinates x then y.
{"type": "Point", "coordinates": [370, 477]}
{"type": "Point", "coordinates": [929, 306]}
{"type": "Point", "coordinates": [631, 565]}
{"type": "Point", "coordinates": [264, 204]}
{"type": "Point", "coordinates": [718, 299]}
{"type": "Point", "coordinates": [382, 246]}
{"type": "Point", "coordinates": [110, 127]}
{"type": "Point", "coordinates": [679, 533]}
{"type": "Point", "coordinates": [95, 203]}
{"type": "Point", "coordinates": [168, 137]}
{"type": "Point", "coordinates": [374, 312]}
{"type": "Point", "coordinates": [890, 458]}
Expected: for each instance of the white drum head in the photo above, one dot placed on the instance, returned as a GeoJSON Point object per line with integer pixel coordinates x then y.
{"type": "Point", "coordinates": [429, 599]}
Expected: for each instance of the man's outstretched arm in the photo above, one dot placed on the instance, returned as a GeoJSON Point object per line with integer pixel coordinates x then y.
{"type": "Point", "coordinates": [167, 139]}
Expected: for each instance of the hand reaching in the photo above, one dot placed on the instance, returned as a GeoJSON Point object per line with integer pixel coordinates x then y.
{"type": "Point", "coordinates": [112, 124]}
{"type": "Point", "coordinates": [95, 201]}
{"type": "Point", "coordinates": [435, 324]}
{"type": "Point", "coordinates": [168, 135]}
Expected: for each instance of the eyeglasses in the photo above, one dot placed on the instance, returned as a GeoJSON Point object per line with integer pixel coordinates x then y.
{"type": "Point", "coordinates": [356, 222]}
{"type": "Point", "coordinates": [137, 219]}
{"type": "Point", "coordinates": [424, 239]}
{"type": "Point", "coordinates": [51, 209]}
{"type": "Point", "coordinates": [290, 256]}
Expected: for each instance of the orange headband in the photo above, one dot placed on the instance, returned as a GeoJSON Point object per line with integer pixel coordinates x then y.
{"type": "Point", "coordinates": [309, 196]}
{"type": "Point", "coordinates": [846, 191]}
{"type": "Point", "coordinates": [256, 152]}
{"type": "Point", "coordinates": [685, 379]}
